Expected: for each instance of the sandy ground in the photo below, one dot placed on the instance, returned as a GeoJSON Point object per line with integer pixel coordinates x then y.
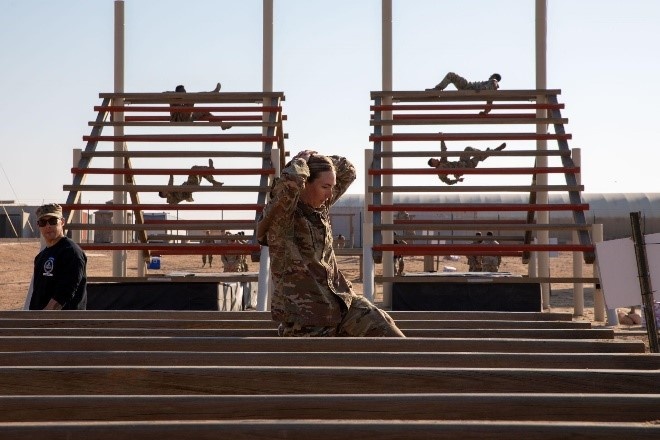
{"type": "Point", "coordinates": [17, 256]}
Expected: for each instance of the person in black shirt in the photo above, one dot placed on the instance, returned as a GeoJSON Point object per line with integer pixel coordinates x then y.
{"type": "Point", "coordinates": [60, 269]}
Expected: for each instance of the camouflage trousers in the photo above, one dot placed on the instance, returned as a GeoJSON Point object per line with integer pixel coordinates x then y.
{"type": "Point", "coordinates": [363, 319]}
{"type": "Point", "coordinates": [451, 78]}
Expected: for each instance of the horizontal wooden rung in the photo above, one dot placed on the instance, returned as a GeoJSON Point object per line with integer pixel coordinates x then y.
{"type": "Point", "coordinates": [163, 206]}
{"type": "Point", "coordinates": [494, 225]}
{"type": "Point", "coordinates": [493, 170]}
{"type": "Point", "coordinates": [187, 248]}
{"type": "Point", "coordinates": [154, 225]}
{"type": "Point", "coordinates": [183, 138]}
{"type": "Point", "coordinates": [189, 107]}
{"type": "Point", "coordinates": [157, 188]}
{"type": "Point", "coordinates": [467, 137]}
{"type": "Point", "coordinates": [442, 107]}
{"type": "Point", "coordinates": [208, 97]}
{"type": "Point", "coordinates": [176, 154]}
{"type": "Point", "coordinates": [473, 278]}
{"type": "Point", "coordinates": [466, 120]}
{"type": "Point", "coordinates": [479, 249]}
{"type": "Point", "coordinates": [438, 153]}
{"type": "Point", "coordinates": [478, 207]}
{"type": "Point", "coordinates": [472, 188]}
{"type": "Point", "coordinates": [458, 95]}
{"type": "Point", "coordinates": [176, 171]}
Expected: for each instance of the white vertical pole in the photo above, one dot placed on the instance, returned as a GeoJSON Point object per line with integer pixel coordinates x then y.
{"type": "Point", "coordinates": [578, 257]}
{"type": "Point", "coordinates": [387, 216]}
{"type": "Point", "coordinates": [599, 298]}
{"type": "Point", "coordinates": [542, 145]}
{"type": "Point", "coordinates": [119, 197]}
{"type": "Point", "coordinates": [264, 282]}
{"type": "Point", "coordinates": [368, 265]}
{"type": "Point", "coordinates": [267, 46]}
{"type": "Point", "coordinates": [77, 215]}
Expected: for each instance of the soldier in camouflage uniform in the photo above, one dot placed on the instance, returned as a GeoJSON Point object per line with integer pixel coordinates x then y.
{"type": "Point", "coordinates": [178, 196]}
{"type": "Point", "coordinates": [233, 262]}
{"type": "Point", "coordinates": [188, 116]}
{"type": "Point", "coordinates": [461, 83]}
{"type": "Point", "coordinates": [491, 263]}
{"type": "Point", "coordinates": [311, 296]}
{"type": "Point", "coordinates": [475, 261]}
{"type": "Point", "coordinates": [469, 159]}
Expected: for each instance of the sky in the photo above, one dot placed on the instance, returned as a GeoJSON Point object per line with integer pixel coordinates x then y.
{"type": "Point", "coordinates": [57, 56]}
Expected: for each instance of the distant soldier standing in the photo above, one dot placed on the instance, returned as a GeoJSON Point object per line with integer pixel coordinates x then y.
{"type": "Point", "coordinates": [474, 261]}
{"type": "Point", "coordinates": [491, 263]}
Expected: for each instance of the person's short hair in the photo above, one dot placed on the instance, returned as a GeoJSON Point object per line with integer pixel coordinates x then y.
{"type": "Point", "coordinates": [49, 210]}
{"type": "Point", "coordinates": [430, 162]}
{"type": "Point", "coordinates": [489, 233]}
{"type": "Point", "coordinates": [496, 76]}
{"type": "Point", "coordinates": [182, 89]}
{"type": "Point", "coordinates": [318, 164]}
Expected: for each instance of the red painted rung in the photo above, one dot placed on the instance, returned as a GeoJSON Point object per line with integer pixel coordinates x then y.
{"type": "Point", "coordinates": [480, 249]}
{"type": "Point", "coordinates": [164, 206]}
{"type": "Point", "coordinates": [463, 116]}
{"type": "Point", "coordinates": [467, 137]}
{"type": "Point", "coordinates": [208, 119]}
{"type": "Point", "coordinates": [176, 172]}
{"type": "Point", "coordinates": [177, 109]}
{"type": "Point", "coordinates": [446, 207]}
{"type": "Point", "coordinates": [183, 138]}
{"type": "Point", "coordinates": [465, 107]}
{"type": "Point", "coordinates": [218, 249]}
{"type": "Point", "coordinates": [219, 223]}
{"type": "Point", "coordinates": [531, 170]}
{"type": "Point", "coordinates": [461, 222]}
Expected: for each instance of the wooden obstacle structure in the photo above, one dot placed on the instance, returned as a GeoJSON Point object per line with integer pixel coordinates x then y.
{"type": "Point", "coordinates": [402, 120]}
{"type": "Point", "coordinates": [250, 124]}
{"type": "Point", "coordinates": [119, 381]}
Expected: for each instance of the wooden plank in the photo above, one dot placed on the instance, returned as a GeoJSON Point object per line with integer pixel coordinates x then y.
{"type": "Point", "coordinates": [370, 359]}
{"type": "Point", "coordinates": [329, 429]}
{"type": "Point", "coordinates": [256, 380]}
{"type": "Point", "coordinates": [487, 171]}
{"type": "Point", "coordinates": [233, 137]}
{"type": "Point", "coordinates": [459, 95]}
{"type": "Point", "coordinates": [174, 154]}
{"type": "Point", "coordinates": [215, 315]}
{"type": "Point", "coordinates": [176, 171]}
{"type": "Point", "coordinates": [182, 225]}
{"type": "Point", "coordinates": [438, 406]}
{"type": "Point", "coordinates": [157, 188]}
{"type": "Point", "coordinates": [436, 153]}
{"type": "Point", "coordinates": [412, 278]}
{"type": "Point", "coordinates": [464, 120]}
{"type": "Point", "coordinates": [479, 207]}
{"type": "Point", "coordinates": [419, 137]}
{"type": "Point", "coordinates": [490, 224]}
{"type": "Point", "coordinates": [518, 333]}
{"type": "Point", "coordinates": [66, 343]}
{"type": "Point", "coordinates": [222, 97]}
{"type": "Point", "coordinates": [475, 188]}
{"type": "Point", "coordinates": [267, 323]}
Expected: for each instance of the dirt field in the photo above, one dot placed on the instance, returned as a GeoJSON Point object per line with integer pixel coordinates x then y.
{"type": "Point", "coordinates": [17, 257]}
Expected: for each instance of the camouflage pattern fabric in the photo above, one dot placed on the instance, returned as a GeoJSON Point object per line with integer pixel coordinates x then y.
{"type": "Point", "coordinates": [363, 319]}
{"type": "Point", "coordinates": [462, 84]}
{"type": "Point", "coordinates": [474, 263]}
{"type": "Point", "coordinates": [311, 296]}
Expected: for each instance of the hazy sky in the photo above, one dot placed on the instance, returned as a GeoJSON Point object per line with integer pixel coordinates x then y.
{"type": "Point", "coordinates": [57, 56]}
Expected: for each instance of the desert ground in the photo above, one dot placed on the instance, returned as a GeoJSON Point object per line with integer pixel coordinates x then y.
{"type": "Point", "coordinates": [17, 257]}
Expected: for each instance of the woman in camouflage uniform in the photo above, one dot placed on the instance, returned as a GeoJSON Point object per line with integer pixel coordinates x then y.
{"type": "Point", "coordinates": [311, 296]}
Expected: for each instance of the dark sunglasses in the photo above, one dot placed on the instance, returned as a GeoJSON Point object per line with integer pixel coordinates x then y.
{"type": "Point", "coordinates": [49, 221]}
